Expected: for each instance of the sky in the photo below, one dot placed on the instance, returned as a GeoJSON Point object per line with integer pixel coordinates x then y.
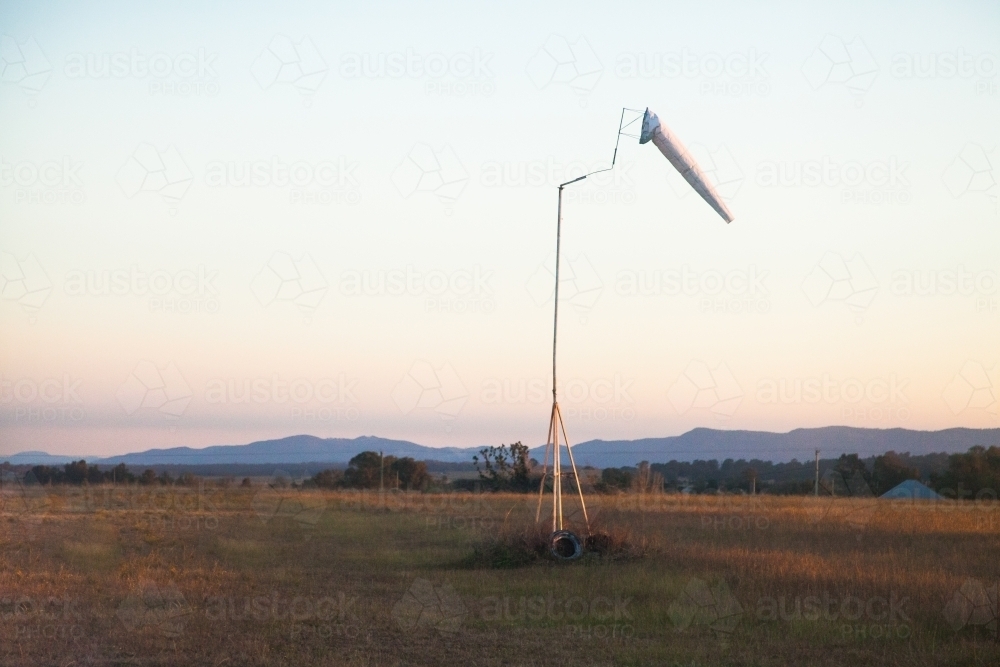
{"type": "Point", "coordinates": [225, 222]}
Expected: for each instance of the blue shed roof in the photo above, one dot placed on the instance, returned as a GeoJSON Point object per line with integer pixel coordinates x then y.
{"type": "Point", "coordinates": [913, 490]}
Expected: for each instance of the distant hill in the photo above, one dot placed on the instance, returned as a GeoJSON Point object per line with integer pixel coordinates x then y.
{"type": "Point", "coordinates": [293, 449]}
{"type": "Point", "coordinates": [38, 458]}
{"type": "Point", "coordinates": [699, 443]}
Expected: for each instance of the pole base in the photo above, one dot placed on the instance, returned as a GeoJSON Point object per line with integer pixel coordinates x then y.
{"type": "Point", "coordinates": [564, 545]}
{"type": "Point", "coordinates": [552, 453]}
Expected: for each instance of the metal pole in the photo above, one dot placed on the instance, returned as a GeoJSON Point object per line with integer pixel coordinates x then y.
{"type": "Point", "coordinates": [555, 317]}
{"type": "Point", "coordinates": [556, 478]}
{"type": "Point", "coordinates": [817, 474]}
{"type": "Point", "coordinates": [545, 467]}
{"type": "Point", "coordinates": [557, 522]}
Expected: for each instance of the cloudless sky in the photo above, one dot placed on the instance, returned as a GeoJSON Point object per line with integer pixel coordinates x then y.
{"type": "Point", "coordinates": [222, 222]}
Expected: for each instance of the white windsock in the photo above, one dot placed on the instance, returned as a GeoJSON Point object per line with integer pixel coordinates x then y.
{"type": "Point", "coordinates": [655, 130]}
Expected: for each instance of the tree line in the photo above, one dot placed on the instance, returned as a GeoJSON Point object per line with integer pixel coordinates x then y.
{"type": "Point", "coordinates": [78, 472]}
{"type": "Point", "coordinates": [500, 468]}
{"type": "Point", "coordinates": [975, 473]}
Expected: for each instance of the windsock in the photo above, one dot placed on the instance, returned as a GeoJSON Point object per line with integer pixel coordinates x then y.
{"type": "Point", "coordinates": [655, 130]}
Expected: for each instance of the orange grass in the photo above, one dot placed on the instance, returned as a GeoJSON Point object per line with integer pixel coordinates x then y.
{"type": "Point", "coordinates": [261, 576]}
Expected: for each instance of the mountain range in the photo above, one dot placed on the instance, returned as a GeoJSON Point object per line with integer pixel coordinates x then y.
{"type": "Point", "coordinates": [699, 443]}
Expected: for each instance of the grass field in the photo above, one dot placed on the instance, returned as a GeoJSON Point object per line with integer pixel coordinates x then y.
{"type": "Point", "coordinates": [239, 576]}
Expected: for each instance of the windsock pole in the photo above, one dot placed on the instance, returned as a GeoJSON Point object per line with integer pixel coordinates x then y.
{"type": "Point", "coordinates": [656, 131]}
{"type": "Point", "coordinates": [556, 424]}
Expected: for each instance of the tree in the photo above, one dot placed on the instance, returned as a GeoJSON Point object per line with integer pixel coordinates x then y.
{"type": "Point", "coordinates": [148, 477]}
{"type": "Point", "coordinates": [615, 478]}
{"type": "Point", "coordinates": [328, 479]}
{"type": "Point", "coordinates": [854, 474]}
{"type": "Point", "coordinates": [76, 472]}
{"type": "Point", "coordinates": [365, 470]}
{"type": "Point", "coordinates": [412, 474]}
{"type": "Point", "coordinates": [94, 475]}
{"type": "Point", "coordinates": [46, 474]}
{"type": "Point", "coordinates": [503, 468]}
{"type": "Point", "coordinates": [120, 474]}
{"type": "Point", "coordinates": [975, 474]}
{"type": "Point", "coordinates": [890, 470]}
{"type": "Point", "coordinates": [520, 479]}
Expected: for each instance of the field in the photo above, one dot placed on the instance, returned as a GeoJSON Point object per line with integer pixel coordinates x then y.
{"type": "Point", "coordinates": [269, 576]}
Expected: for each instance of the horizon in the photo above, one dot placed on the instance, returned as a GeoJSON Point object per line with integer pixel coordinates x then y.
{"type": "Point", "coordinates": [787, 453]}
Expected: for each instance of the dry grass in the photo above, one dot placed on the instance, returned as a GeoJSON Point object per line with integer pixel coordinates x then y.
{"type": "Point", "coordinates": [297, 578]}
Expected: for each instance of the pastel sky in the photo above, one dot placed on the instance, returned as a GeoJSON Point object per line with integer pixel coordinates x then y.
{"type": "Point", "coordinates": [222, 222]}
